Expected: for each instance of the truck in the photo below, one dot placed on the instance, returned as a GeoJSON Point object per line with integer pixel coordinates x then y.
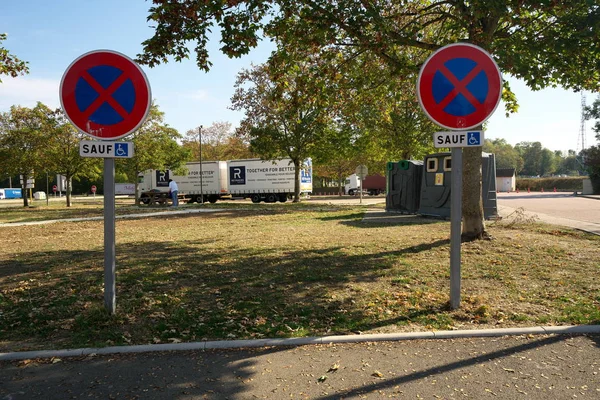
{"type": "Point", "coordinates": [10, 193]}
{"type": "Point", "coordinates": [202, 182]}
{"type": "Point", "coordinates": [372, 185]}
{"type": "Point", "coordinates": [267, 180]}
{"type": "Point", "coordinates": [125, 188]}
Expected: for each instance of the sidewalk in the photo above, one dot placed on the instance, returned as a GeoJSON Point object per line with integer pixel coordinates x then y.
{"type": "Point", "coordinates": [514, 367]}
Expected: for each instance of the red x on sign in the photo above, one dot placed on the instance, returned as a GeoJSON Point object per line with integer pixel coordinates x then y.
{"type": "Point", "coordinates": [105, 94]}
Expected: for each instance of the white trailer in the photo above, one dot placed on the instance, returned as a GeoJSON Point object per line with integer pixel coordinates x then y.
{"type": "Point", "coordinates": [124, 188]}
{"type": "Point", "coordinates": [267, 180]}
{"type": "Point", "coordinates": [193, 186]}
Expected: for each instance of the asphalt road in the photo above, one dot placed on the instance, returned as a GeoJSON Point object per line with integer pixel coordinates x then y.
{"type": "Point", "coordinates": [563, 209]}
{"type": "Point", "coordinates": [514, 367]}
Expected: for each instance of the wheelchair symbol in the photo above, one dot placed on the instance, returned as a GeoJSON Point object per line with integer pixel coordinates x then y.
{"type": "Point", "coordinates": [473, 138]}
{"type": "Point", "coordinates": [121, 150]}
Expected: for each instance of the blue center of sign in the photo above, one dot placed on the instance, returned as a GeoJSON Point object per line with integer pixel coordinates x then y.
{"type": "Point", "coordinates": [105, 113]}
{"type": "Point", "coordinates": [478, 87]}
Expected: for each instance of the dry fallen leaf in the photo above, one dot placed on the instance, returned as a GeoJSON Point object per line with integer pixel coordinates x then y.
{"type": "Point", "coordinates": [333, 368]}
{"type": "Point", "coordinates": [377, 374]}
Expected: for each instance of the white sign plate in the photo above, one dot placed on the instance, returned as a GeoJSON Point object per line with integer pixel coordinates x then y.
{"type": "Point", "coordinates": [458, 139]}
{"type": "Point", "coordinates": [91, 148]}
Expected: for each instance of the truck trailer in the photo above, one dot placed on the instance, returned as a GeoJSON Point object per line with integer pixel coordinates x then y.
{"type": "Point", "coordinates": [372, 184]}
{"type": "Point", "coordinates": [213, 182]}
{"type": "Point", "coordinates": [11, 193]}
{"type": "Point", "coordinates": [267, 180]}
{"type": "Point", "coordinates": [256, 179]}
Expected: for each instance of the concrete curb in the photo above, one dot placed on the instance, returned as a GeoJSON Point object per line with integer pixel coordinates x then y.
{"type": "Point", "coordinates": [239, 344]}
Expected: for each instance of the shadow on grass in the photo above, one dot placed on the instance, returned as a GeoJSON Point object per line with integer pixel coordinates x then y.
{"type": "Point", "coordinates": [190, 291]}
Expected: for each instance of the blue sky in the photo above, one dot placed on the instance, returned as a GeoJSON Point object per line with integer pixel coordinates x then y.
{"type": "Point", "coordinates": [50, 35]}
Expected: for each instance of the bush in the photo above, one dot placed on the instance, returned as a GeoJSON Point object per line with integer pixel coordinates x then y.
{"type": "Point", "coordinates": [569, 184]}
{"type": "Point", "coordinates": [595, 183]}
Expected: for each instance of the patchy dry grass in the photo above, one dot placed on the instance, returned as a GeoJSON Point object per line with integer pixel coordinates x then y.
{"type": "Point", "coordinates": [284, 271]}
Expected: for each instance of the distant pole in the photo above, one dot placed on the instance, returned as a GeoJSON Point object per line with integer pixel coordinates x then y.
{"type": "Point", "coordinates": [47, 189]}
{"type": "Point", "coordinates": [200, 142]}
{"type": "Point", "coordinates": [360, 179]}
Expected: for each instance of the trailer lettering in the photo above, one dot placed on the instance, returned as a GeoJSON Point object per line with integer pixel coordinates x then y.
{"type": "Point", "coordinates": [237, 172]}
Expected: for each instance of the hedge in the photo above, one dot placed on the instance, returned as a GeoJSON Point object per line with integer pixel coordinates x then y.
{"type": "Point", "coordinates": [569, 184]}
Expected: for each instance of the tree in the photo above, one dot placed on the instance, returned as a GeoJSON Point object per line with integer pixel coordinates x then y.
{"type": "Point", "coordinates": [379, 106]}
{"type": "Point", "coordinates": [545, 43]}
{"type": "Point", "coordinates": [24, 134]}
{"type": "Point", "coordinates": [62, 153]}
{"type": "Point", "coordinates": [338, 155]}
{"type": "Point", "coordinates": [531, 153]}
{"type": "Point", "coordinates": [156, 147]}
{"type": "Point", "coordinates": [219, 142]}
{"type": "Point", "coordinates": [547, 162]}
{"type": "Point", "coordinates": [9, 64]}
{"type": "Point", "coordinates": [569, 164]}
{"type": "Point", "coordinates": [591, 155]}
{"type": "Point", "coordinates": [283, 117]}
{"type": "Point", "coordinates": [506, 155]}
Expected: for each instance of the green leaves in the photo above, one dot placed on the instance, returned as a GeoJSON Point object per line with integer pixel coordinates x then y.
{"type": "Point", "coordinates": [9, 64]}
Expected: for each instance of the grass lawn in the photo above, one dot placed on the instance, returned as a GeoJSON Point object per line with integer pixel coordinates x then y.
{"type": "Point", "coordinates": [282, 270]}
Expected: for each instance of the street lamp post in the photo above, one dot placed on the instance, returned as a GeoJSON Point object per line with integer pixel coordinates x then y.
{"type": "Point", "coordinates": [200, 143]}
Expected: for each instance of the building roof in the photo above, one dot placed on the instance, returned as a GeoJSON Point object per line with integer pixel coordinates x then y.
{"type": "Point", "coordinates": [505, 172]}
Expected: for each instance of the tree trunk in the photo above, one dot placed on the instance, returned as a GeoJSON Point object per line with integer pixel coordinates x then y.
{"type": "Point", "coordinates": [24, 194]}
{"type": "Point", "coordinates": [296, 181]}
{"type": "Point", "coordinates": [68, 179]}
{"type": "Point", "coordinates": [136, 194]}
{"type": "Point", "coordinates": [472, 204]}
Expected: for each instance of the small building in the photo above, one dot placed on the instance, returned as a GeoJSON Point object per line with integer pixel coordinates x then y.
{"type": "Point", "coordinates": [506, 180]}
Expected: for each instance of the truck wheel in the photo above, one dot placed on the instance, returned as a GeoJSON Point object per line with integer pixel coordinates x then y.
{"type": "Point", "coordinates": [255, 198]}
{"type": "Point", "coordinates": [213, 198]}
{"type": "Point", "coordinates": [283, 198]}
{"type": "Point", "coordinates": [351, 192]}
{"type": "Point", "coordinates": [271, 198]}
{"type": "Point", "coordinates": [145, 200]}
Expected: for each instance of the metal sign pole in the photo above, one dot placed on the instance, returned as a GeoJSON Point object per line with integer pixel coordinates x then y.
{"type": "Point", "coordinates": [455, 227]}
{"type": "Point", "coordinates": [109, 236]}
{"type": "Point", "coordinates": [360, 178]}
{"type": "Point", "coordinates": [201, 188]}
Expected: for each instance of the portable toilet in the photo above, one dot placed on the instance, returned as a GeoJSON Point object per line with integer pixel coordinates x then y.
{"type": "Point", "coordinates": [435, 185]}
{"type": "Point", "coordinates": [403, 181]}
{"type": "Point", "coordinates": [437, 180]}
{"type": "Point", "coordinates": [488, 186]}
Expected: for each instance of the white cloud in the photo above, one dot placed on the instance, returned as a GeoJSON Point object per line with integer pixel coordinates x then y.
{"type": "Point", "coordinates": [27, 91]}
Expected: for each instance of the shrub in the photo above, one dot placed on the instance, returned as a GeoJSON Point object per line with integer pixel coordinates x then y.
{"type": "Point", "coordinates": [569, 184]}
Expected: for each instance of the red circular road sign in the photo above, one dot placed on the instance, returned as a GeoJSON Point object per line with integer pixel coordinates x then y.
{"type": "Point", "coordinates": [93, 188]}
{"type": "Point", "coordinates": [54, 188]}
{"type": "Point", "coordinates": [105, 94]}
{"type": "Point", "coordinates": [459, 86]}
